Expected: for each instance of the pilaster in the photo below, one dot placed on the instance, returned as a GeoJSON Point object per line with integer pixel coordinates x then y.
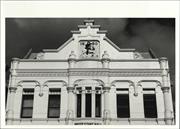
{"type": "Point", "coordinates": [12, 90]}
{"type": "Point", "coordinates": [166, 91]}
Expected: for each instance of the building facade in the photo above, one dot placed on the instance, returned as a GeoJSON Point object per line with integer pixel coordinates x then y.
{"type": "Point", "coordinates": [89, 80]}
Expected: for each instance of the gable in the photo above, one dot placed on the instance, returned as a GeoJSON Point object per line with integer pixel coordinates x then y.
{"type": "Point", "coordinates": [88, 42]}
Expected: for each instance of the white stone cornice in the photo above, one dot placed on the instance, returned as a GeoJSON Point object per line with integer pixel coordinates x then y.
{"type": "Point", "coordinates": [89, 59]}
{"type": "Point", "coordinates": [88, 72]}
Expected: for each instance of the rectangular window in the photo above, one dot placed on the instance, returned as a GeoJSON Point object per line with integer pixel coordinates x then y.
{"type": "Point", "coordinates": [27, 103]}
{"type": "Point", "coordinates": [88, 105]}
{"type": "Point", "coordinates": [123, 106]}
{"type": "Point", "coordinates": [150, 109]}
{"type": "Point", "coordinates": [98, 105]}
{"type": "Point", "coordinates": [54, 103]}
{"type": "Point", "coordinates": [78, 105]}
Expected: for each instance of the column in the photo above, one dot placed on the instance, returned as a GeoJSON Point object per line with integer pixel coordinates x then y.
{"type": "Point", "coordinates": [71, 96]}
{"type": "Point", "coordinates": [166, 91]}
{"type": "Point", "coordinates": [12, 91]}
{"type": "Point", "coordinates": [83, 102]}
{"type": "Point", "coordinates": [70, 112]}
{"type": "Point", "coordinates": [93, 102]}
{"type": "Point", "coordinates": [106, 113]}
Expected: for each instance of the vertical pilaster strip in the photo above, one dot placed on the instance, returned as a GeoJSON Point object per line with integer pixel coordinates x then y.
{"type": "Point", "coordinates": [93, 102]}
{"type": "Point", "coordinates": [166, 91]}
{"type": "Point", "coordinates": [12, 90]}
{"type": "Point", "coordinates": [83, 103]}
{"type": "Point", "coordinates": [106, 105]}
{"type": "Point", "coordinates": [70, 111]}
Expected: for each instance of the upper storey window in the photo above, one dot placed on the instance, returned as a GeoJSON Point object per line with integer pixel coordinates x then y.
{"type": "Point", "coordinates": [89, 48]}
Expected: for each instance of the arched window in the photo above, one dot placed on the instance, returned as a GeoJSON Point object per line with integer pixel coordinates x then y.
{"type": "Point", "coordinates": [88, 100]}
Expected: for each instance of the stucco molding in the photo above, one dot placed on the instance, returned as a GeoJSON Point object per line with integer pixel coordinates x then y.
{"type": "Point", "coordinates": [28, 81]}
{"type": "Point", "coordinates": [158, 83]}
{"type": "Point", "coordinates": [88, 59]}
{"type": "Point", "coordinates": [45, 84]}
{"type": "Point", "coordinates": [131, 83]}
{"type": "Point", "coordinates": [89, 72]}
{"type": "Point", "coordinates": [101, 83]}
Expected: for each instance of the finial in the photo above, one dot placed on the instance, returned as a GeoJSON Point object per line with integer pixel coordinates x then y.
{"type": "Point", "coordinates": [72, 55]}
{"type": "Point", "coordinates": [105, 55]}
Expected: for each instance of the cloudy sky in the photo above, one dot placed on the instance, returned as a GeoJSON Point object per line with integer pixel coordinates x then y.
{"type": "Point", "coordinates": [158, 34]}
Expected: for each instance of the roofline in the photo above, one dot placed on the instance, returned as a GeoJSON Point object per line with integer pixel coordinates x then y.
{"type": "Point", "coordinates": [116, 47]}
{"type": "Point", "coordinates": [111, 60]}
{"type": "Point", "coordinates": [61, 47]}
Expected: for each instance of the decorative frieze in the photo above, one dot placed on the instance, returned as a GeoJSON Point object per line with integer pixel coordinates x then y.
{"type": "Point", "coordinates": [91, 72]}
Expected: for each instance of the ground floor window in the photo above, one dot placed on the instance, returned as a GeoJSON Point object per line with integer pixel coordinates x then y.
{"type": "Point", "coordinates": [27, 103]}
{"type": "Point", "coordinates": [85, 97]}
{"type": "Point", "coordinates": [54, 103]}
{"type": "Point", "coordinates": [98, 105]}
{"type": "Point", "coordinates": [78, 105]}
{"type": "Point", "coordinates": [123, 106]}
{"type": "Point", "coordinates": [150, 110]}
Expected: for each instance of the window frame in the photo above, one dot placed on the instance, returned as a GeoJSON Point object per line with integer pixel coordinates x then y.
{"type": "Point", "coordinates": [54, 92]}
{"type": "Point", "coordinates": [122, 92]}
{"type": "Point", "coordinates": [27, 92]}
{"type": "Point", "coordinates": [150, 92]}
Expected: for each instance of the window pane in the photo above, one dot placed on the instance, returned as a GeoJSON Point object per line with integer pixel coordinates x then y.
{"type": "Point", "coordinates": [27, 101]}
{"type": "Point", "coordinates": [27, 113]}
{"type": "Point", "coordinates": [78, 105]}
{"type": "Point", "coordinates": [150, 110]}
{"type": "Point", "coordinates": [54, 106]}
{"type": "Point", "coordinates": [27, 106]}
{"type": "Point", "coordinates": [88, 105]}
{"type": "Point", "coordinates": [123, 106]}
{"type": "Point", "coordinates": [98, 105]}
{"type": "Point", "coordinates": [54, 100]}
{"type": "Point", "coordinates": [53, 113]}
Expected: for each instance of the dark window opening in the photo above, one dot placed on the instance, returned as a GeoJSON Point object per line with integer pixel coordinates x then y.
{"type": "Point", "coordinates": [78, 105]}
{"type": "Point", "coordinates": [54, 106]}
{"type": "Point", "coordinates": [27, 106]}
{"type": "Point", "coordinates": [122, 89]}
{"type": "Point", "coordinates": [98, 105]}
{"type": "Point", "coordinates": [88, 105]}
{"type": "Point", "coordinates": [123, 106]}
{"type": "Point", "coordinates": [150, 110]}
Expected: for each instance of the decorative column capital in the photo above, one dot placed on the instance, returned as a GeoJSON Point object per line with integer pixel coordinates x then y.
{"type": "Point", "coordinates": [12, 89]}
{"type": "Point", "coordinates": [72, 56]}
{"type": "Point", "coordinates": [165, 89]}
{"type": "Point", "coordinates": [163, 63]}
{"type": "Point", "coordinates": [72, 59]}
{"type": "Point", "coordinates": [163, 59]}
{"type": "Point", "coordinates": [106, 88]}
{"type": "Point", "coordinates": [105, 57]}
{"type": "Point", "coordinates": [15, 59]}
{"type": "Point", "coordinates": [70, 89]}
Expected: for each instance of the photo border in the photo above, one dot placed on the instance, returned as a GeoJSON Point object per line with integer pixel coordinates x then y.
{"type": "Point", "coordinates": [99, 9]}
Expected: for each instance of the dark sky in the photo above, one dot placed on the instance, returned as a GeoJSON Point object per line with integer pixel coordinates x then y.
{"type": "Point", "coordinates": [139, 33]}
